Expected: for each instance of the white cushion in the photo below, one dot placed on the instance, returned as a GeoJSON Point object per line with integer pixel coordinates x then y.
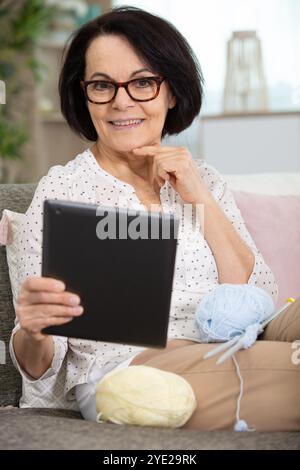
{"type": "Point", "coordinates": [266, 183]}
{"type": "Point", "coordinates": [10, 226]}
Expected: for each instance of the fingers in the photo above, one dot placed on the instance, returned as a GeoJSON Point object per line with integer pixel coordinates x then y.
{"type": "Point", "coordinates": [34, 297]}
{"type": "Point", "coordinates": [150, 150]}
{"type": "Point", "coordinates": [162, 169]}
{"type": "Point", "coordinates": [162, 176]}
{"type": "Point", "coordinates": [39, 324]}
{"type": "Point", "coordinates": [165, 170]}
{"type": "Point", "coordinates": [35, 327]}
{"type": "Point", "coordinates": [44, 311]}
{"type": "Point", "coordinates": [43, 284]}
{"type": "Point", "coordinates": [169, 163]}
{"type": "Point", "coordinates": [43, 290]}
{"type": "Point", "coordinates": [34, 318]}
{"type": "Point", "coordinates": [43, 302]}
{"type": "Point", "coordinates": [155, 149]}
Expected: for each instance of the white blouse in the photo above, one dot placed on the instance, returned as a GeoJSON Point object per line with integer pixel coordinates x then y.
{"type": "Point", "coordinates": [82, 179]}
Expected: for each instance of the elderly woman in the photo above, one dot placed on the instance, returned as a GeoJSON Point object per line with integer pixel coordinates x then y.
{"type": "Point", "coordinates": [128, 79]}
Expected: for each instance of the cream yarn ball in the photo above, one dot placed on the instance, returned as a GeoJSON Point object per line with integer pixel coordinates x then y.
{"type": "Point", "coordinates": [144, 396]}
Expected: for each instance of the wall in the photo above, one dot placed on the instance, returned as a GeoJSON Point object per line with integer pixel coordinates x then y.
{"type": "Point", "coordinates": [252, 143]}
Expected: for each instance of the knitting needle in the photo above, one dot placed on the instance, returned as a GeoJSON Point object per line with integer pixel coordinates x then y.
{"type": "Point", "coordinates": [239, 343]}
{"type": "Point", "coordinates": [287, 304]}
{"type": "Point", "coordinates": [231, 351]}
{"type": "Point", "coordinates": [220, 348]}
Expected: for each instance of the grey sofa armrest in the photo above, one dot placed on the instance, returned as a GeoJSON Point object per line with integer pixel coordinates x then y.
{"type": "Point", "coordinates": [15, 197]}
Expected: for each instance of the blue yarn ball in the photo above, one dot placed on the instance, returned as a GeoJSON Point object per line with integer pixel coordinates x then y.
{"type": "Point", "coordinates": [229, 309]}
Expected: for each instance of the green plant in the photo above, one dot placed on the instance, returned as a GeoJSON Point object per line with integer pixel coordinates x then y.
{"type": "Point", "coordinates": [22, 23]}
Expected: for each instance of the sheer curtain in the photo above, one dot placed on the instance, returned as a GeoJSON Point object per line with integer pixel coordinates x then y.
{"type": "Point", "coordinates": [208, 24]}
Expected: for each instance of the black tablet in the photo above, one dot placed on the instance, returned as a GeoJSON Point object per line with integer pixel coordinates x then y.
{"type": "Point", "coordinates": [121, 264]}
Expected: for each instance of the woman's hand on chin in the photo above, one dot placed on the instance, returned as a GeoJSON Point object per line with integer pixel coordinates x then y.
{"type": "Point", "coordinates": [176, 165]}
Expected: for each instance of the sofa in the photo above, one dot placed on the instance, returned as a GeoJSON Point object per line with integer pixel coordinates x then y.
{"type": "Point", "coordinates": [62, 429]}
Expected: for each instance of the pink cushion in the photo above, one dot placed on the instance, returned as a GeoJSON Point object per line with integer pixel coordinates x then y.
{"type": "Point", "coordinates": [274, 224]}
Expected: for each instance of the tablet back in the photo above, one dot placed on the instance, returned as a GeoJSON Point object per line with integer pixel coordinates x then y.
{"type": "Point", "coordinates": [122, 274]}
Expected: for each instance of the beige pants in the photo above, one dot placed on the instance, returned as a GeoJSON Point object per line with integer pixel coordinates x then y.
{"type": "Point", "coordinates": [270, 371]}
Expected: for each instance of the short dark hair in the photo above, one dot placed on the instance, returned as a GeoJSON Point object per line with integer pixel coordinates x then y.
{"type": "Point", "coordinates": [158, 43]}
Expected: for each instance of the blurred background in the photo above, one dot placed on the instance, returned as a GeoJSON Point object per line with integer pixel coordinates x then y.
{"type": "Point", "coordinates": [249, 51]}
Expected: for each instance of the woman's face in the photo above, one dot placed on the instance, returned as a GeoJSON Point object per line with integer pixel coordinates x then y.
{"type": "Point", "coordinates": [115, 57]}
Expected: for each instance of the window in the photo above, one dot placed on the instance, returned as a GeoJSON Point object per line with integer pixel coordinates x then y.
{"type": "Point", "coordinates": [208, 24]}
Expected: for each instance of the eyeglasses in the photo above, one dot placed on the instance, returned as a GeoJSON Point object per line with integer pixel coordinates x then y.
{"type": "Point", "coordinates": [139, 89]}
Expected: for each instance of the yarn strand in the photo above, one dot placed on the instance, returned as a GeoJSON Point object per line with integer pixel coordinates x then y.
{"type": "Point", "coordinates": [240, 425]}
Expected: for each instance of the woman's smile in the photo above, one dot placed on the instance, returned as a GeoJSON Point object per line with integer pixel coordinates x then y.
{"type": "Point", "coordinates": [123, 125]}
